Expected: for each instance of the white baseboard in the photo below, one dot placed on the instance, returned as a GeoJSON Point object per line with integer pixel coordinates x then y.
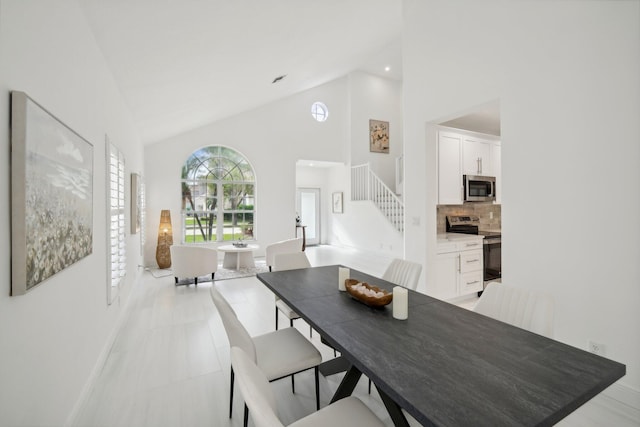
{"type": "Point", "coordinates": [102, 357]}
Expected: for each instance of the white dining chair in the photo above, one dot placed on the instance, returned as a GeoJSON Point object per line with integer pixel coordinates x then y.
{"type": "Point", "coordinates": [261, 400]}
{"type": "Point", "coordinates": [278, 354]}
{"type": "Point", "coordinates": [524, 308]}
{"type": "Point", "coordinates": [404, 273]}
{"type": "Point", "coordinates": [289, 261]}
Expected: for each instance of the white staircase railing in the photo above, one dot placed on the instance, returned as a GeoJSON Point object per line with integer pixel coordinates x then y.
{"type": "Point", "coordinates": [366, 185]}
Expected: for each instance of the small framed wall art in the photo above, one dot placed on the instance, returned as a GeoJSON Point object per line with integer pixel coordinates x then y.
{"type": "Point", "coordinates": [378, 136]}
{"type": "Point", "coordinates": [337, 202]}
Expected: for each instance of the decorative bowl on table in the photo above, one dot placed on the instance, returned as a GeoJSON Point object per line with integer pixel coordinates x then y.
{"type": "Point", "coordinates": [239, 244]}
{"type": "Point", "coordinates": [368, 294]}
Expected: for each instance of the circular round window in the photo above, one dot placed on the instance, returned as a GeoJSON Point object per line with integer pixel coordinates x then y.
{"type": "Point", "coordinates": [319, 111]}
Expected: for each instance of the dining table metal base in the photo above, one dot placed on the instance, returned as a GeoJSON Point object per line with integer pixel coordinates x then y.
{"type": "Point", "coordinates": [334, 366]}
{"type": "Point", "coordinates": [398, 418]}
{"type": "Point", "coordinates": [348, 384]}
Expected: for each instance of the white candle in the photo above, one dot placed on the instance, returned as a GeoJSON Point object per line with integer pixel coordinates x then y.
{"type": "Point", "coordinates": [343, 274]}
{"type": "Point", "coordinates": [400, 303]}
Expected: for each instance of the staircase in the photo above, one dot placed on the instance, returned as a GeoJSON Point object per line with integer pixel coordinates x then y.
{"type": "Point", "coordinates": [366, 185]}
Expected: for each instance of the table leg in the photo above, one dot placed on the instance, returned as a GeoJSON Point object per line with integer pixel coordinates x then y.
{"type": "Point", "coordinates": [236, 260]}
{"type": "Point", "coordinates": [398, 418]}
{"type": "Point", "coordinates": [229, 261]}
{"type": "Point", "coordinates": [334, 366]}
{"type": "Point", "coordinates": [348, 384]}
{"type": "Point", "coordinates": [304, 239]}
{"type": "Point", "coordinates": [304, 235]}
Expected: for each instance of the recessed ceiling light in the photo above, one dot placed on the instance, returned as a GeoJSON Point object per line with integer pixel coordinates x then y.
{"type": "Point", "coordinates": [277, 79]}
{"type": "Point", "coordinates": [387, 68]}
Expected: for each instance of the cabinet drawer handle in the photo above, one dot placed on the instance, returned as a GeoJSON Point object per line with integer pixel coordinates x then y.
{"type": "Point", "coordinates": [469, 261]}
{"type": "Point", "coordinates": [473, 283]}
{"type": "Point", "coordinates": [472, 244]}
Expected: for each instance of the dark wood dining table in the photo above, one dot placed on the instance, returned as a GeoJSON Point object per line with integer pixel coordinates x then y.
{"type": "Point", "coordinates": [444, 365]}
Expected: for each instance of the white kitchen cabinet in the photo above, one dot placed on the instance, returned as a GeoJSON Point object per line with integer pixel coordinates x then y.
{"type": "Point", "coordinates": [463, 154]}
{"type": "Point", "coordinates": [446, 283]}
{"type": "Point", "coordinates": [476, 154]}
{"type": "Point", "coordinates": [449, 168]}
{"type": "Point", "coordinates": [471, 274]}
{"type": "Point", "coordinates": [459, 268]}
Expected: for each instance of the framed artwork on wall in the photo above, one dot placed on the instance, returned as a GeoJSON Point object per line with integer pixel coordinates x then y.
{"type": "Point", "coordinates": [378, 136]}
{"type": "Point", "coordinates": [136, 202]}
{"type": "Point", "coordinates": [51, 195]}
{"type": "Point", "coordinates": [337, 202]}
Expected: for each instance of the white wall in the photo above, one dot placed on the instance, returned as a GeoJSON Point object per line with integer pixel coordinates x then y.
{"type": "Point", "coordinates": [52, 337]}
{"type": "Point", "coordinates": [376, 98]}
{"type": "Point", "coordinates": [362, 226]}
{"type": "Point", "coordinates": [566, 74]}
{"type": "Point", "coordinates": [272, 138]}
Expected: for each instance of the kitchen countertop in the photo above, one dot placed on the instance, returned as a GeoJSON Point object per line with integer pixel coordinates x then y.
{"type": "Point", "coordinates": [490, 230]}
{"type": "Point", "coordinates": [457, 237]}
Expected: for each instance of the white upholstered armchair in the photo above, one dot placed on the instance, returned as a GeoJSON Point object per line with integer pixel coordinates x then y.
{"type": "Point", "coordinates": [193, 261]}
{"type": "Point", "coordinates": [282, 247]}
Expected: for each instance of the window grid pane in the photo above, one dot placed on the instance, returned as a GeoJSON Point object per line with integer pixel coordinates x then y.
{"type": "Point", "coordinates": [218, 198]}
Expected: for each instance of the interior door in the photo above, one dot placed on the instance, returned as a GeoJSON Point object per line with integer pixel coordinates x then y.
{"type": "Point", "coordinates": [308, 207]}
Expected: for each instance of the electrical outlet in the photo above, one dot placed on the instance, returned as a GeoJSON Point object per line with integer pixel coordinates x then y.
{"type": "Point", "coordinates": [596, 348]}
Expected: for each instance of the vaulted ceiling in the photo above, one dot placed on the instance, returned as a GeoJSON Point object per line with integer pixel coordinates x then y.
{"type": "Point", "coordinates": [181, 64]}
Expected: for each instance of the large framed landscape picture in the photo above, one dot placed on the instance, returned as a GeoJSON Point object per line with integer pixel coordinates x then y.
{"type": "Point", "coordinates": [51, 195]}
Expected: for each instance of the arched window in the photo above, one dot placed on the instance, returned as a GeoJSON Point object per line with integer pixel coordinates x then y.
{"type": "Point", "coordinates": [218, 196]}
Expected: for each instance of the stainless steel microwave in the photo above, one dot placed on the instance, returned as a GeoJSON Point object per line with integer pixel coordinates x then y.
{"type": "Point", "coordinates": [479, 188]}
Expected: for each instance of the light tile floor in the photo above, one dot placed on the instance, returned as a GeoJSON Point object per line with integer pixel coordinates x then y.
{"type": "Point", "coordinates": [169, 364]}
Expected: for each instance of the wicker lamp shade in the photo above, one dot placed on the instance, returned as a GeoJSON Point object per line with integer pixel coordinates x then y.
{"type": "Point", "coordinates": [165, 240]}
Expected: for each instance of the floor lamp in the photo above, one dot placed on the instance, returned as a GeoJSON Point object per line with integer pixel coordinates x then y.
{"type": "Point", "coordinates": [165, 240]}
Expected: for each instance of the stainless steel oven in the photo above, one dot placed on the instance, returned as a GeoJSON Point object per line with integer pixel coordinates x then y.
{"type": "Point", "coordinates": [491, 245]}
{"type": "Point", "coordinates": [492, 254]}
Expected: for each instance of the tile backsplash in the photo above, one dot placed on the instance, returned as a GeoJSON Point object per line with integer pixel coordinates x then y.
{"type": "Point", "coordinates": [482, 210]}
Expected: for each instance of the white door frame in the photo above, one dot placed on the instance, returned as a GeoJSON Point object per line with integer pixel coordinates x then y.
{"type": "Point", "coordinates": [311, 239]}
